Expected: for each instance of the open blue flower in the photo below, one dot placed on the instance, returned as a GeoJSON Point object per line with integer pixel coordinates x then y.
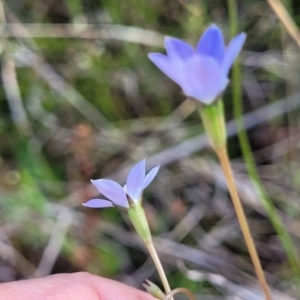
{"type": "Point", "coordinates": [117, 195]}
{"type": "Point", "coordinates": [202, 73]}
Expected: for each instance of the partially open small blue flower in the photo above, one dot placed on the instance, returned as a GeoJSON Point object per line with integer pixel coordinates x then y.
{"type": "Point", "coordinates": [202, 73]}
{"type": "Point", "coordinates": [117, 195]}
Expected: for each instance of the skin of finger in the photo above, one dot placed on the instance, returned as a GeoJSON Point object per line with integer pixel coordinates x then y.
{"type": "Point", "coordinates": [76, 286]}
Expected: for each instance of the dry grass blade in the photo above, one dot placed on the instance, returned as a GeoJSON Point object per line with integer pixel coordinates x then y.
{"type": "Point", "coordinates": [285, 19]}
{"type": "Point", "coordinates": [86, 31]}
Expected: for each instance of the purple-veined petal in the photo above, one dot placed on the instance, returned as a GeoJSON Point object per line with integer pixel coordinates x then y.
{"type": "Point", "coordinates": [135, 181]}
{"type": "Point", "coordinates": [232, 51]}
{"type": "Point", "coordinates": [178, 49]}
{"type": "Point", "coordinates": [204, 80]}
{"type": "Point", "coordinates": [98, 203]}
{"type": "Point", "coordinates": [112, 190]}
{"type": "Point", "coordinates": [212, 43]}
{"type": "Point", "coordinates": [150, 176]}
{"type": "Point", "coordinates": [171, 68]}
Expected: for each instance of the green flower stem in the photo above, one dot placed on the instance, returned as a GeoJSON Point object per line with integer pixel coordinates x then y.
{"type": "Point", "coordinates": [268, 204]}
{"type": "Point", "coordinates": [214, 123]}
{"type": "Point", "coordinates": [139, 221]}
{"type": "Point", "coordinates": [138, 218]}
{"type": "Point", "coordinates": [223, 157]}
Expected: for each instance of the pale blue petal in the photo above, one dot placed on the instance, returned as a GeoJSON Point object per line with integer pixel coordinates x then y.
{"type": "Point", "coordinates": [171, 68]}
{"type": "Point", "coordinates": [150, 176]}
{"type": "Point", "coordinates": [98, 203]}
{"type": "Point", "coordinates": [135, 181]}
{"type": "Point", "coordinates": [232, 51]}
{"type": "Point", "coordinates": [201, 73]}
{"type": "Point", "coordinates": [112, 190]}
{"type": "Point", "coordinates": [204, 80]}
{"type": "Point", "coordinates": [212, 43]}
{"type": "Point", "coordinates": [178, 49]}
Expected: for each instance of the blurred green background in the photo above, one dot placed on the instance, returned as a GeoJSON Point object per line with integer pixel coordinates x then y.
{"type": "Point", "coordinates": [79, 99]}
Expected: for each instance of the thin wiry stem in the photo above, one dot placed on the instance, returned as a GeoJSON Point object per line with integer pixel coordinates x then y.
{"type": "Point", "coordinates": [268, 204]}
{"type": "Point", "coordinates": [159, 267]}
{"type": "Point", "coordinates": [223, 157]}
{"type": "Point", "coordinates": [180, 291]}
